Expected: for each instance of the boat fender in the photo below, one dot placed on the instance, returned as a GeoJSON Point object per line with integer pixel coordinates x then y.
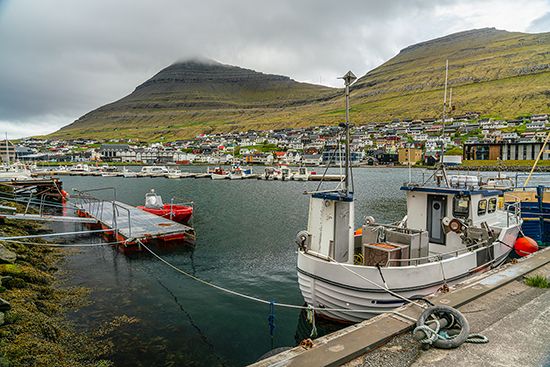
{"type": "Point", "coordinates": [369, 220]}
{"type": "Point", "coordinates": [302, 238]}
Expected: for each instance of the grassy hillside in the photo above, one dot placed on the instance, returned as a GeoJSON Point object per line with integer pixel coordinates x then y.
{"type": "Point", "coordinates": [496, 73]}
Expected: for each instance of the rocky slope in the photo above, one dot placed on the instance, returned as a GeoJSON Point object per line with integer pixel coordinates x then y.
{"type": "Point", "coordinates": [494, 72]}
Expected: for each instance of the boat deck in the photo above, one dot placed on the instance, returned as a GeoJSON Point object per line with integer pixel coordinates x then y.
{"type": "Point", "coordinates": [130, 222]}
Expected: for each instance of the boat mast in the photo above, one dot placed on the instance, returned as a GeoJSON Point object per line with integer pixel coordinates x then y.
{"type": "Point", "coordinates": [445, 96]}
{"type": "Point", "coordinates": [7, 150]}
{"type": "Point", "coordinates": [349, 78]}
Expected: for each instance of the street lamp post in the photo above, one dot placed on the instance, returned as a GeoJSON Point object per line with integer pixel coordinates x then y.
{"type": "Point", "coordinates": [349, 78]}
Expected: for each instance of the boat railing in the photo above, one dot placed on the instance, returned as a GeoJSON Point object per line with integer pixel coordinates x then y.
{"type": "Point", "coordinates": [98, 190]}
{"type": "Point", "coordinates": [93, 205]}
{"type": "Point", "coordinates": [514, 210]}
{"type": "Point", "coordinates": [436, 257]}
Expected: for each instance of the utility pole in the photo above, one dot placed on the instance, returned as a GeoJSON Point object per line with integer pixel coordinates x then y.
{"type": "Point", "coordinates": [349, 78]}
{"type": "Point", "coordinates": [445, 96]}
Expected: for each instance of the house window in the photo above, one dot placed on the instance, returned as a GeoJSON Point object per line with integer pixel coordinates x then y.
{"type": "Point", "coordinates": [482, 207]}
{"type": "Point", "coordinates": [492, 206]}
{"type": "Point", "coordinates": [461, 206]}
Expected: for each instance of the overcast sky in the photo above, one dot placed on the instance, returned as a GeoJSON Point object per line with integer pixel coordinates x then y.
{"type": "Point", "coordinates": [62, 58]}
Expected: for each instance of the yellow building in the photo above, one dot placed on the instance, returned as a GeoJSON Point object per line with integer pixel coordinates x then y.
{"type": "Point", "coordinates": [412, 155]}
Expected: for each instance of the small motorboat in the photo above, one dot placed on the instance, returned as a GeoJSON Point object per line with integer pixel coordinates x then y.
{"type": "Point", "coordinates": [218, 173]}
{"type": "Point", "coordinates": [180, 213]}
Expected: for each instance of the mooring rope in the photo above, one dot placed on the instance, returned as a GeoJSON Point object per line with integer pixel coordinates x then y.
{"type": "Point", "coordinates": [46, 244]}
{"type": "Point", "coordinates": [385, 287]}
{"type": "Point", "coordinates": [259, 300]}
{"type": "Point", "coordinates": [55, 234]}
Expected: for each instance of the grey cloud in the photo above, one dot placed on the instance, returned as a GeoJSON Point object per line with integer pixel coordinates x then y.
{"type": "Point", "coordinates": [65, 57]}
{"type": "Point", "coordinates": [541, 24]}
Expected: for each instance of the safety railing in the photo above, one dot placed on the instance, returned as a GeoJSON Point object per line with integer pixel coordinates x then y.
{"type": "Point", "coordinates": [116, 207]}
{"type": "Point", "coordinates": [439, 257]}
{"type": "Point", "coordinates": [514, 210]}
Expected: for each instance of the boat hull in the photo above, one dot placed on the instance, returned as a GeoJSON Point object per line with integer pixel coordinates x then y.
{"type": "Point", "coordinates": [217, 176]}
{"type": "Point", "coordinates": [177, 213]}
{"type": "Point", "coordinates": [348, 287]}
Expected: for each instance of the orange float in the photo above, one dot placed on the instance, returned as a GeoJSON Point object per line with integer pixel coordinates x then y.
{"type": "Point", "coordinates": [525, 246]}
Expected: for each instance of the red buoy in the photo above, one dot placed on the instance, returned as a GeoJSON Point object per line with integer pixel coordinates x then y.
{"type": "Point", "coordinates": [525, 246]}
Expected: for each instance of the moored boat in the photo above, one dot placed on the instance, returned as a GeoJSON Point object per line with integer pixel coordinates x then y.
{"type": "Point", "coordinates": [180, 213]}
{"type": "Point", "coordinates": [153, 171]}
{"type": "Point", "coordinates": [453, 229]}
{"type": "Point", "coordinates": [301, 175]}
{"type": "Point", "coordinates": [218, 173]}
{"type": "Point", "coordinates": [14, 171]}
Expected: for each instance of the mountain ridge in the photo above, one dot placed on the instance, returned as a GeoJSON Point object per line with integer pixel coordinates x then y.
{"type": "Point", "coordinates": [494, 72]}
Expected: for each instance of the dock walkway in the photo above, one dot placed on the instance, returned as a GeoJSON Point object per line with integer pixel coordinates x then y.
{"type": "Point", "coordinates": [130, 222]}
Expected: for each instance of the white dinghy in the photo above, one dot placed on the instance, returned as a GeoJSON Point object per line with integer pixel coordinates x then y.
{"type": "Point", "coordinates": [454, 228]}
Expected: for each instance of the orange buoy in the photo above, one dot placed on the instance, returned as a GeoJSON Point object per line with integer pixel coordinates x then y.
{"type": "Point", "coordinates": [525, 246]}
{"type": "Point", "coordinates": [358, 232]}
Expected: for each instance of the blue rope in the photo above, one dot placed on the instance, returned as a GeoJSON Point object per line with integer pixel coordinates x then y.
{"type": "Point", "coordinates": [271, 318]}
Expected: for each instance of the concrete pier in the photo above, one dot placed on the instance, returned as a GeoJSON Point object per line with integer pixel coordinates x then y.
{"type": "Point", "coordinates": [497, 303]}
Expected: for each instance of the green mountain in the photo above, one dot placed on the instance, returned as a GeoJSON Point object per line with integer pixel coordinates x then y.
{"type": "Point", "coordinates": [197, 96]}
{"type": "Point", "coordinates": [494, 72]}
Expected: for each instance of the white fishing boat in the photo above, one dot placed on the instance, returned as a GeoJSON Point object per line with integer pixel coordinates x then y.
{"type": "Point", "coordinates": [301, 175]}
{"type": "Point", "coordinates": [268, 174]}
{"type": "Point", "coordinates": [153, 171]}
{"type": "Point", "coordinates": [80, 167]}
{"type": "Point", "coordinates": [173, 174]}
{"type": "Point", "coordinates": [218, 173]}
{"type": "Point", "coordinates": [128, 174]}
{"type": "Point", "coordinates": [239, 173]}
{"type": "Point", "coordinates": [283, 173]}
{"type": "Point", "coordinates": [14, 171]}
{"type": "Point", "coordinates": [453, 229]}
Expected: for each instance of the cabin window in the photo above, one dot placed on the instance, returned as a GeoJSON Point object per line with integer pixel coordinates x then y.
{"type": "Point", "coordinates": [482, 207]}
{"type": "Point", "coordinates": [461, 206]}
{"type": "Point", "coordinates": [492, 206]}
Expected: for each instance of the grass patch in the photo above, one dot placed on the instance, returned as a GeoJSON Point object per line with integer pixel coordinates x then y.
{"type": "Point", "coordinates": [537, 281]}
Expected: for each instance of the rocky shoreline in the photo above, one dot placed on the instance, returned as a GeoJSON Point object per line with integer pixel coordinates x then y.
{"type": "Point", "coordinates": [34, 329]}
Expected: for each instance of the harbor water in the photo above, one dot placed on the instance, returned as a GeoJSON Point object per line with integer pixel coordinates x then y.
{"type": "Point", "coordinates": [245, 242]}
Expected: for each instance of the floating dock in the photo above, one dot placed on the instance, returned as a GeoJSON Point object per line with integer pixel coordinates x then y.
{"type": "Point", "coordinates": [129, 224]}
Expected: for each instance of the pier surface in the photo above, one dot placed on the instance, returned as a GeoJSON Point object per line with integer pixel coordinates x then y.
{"type": "Point", "coordinates": [498, 304]}
{"type": "Point", "coordinates": [131, 222]}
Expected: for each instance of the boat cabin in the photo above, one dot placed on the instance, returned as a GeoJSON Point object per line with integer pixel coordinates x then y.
{"type": "Point", "coordinates": [432, 209]}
